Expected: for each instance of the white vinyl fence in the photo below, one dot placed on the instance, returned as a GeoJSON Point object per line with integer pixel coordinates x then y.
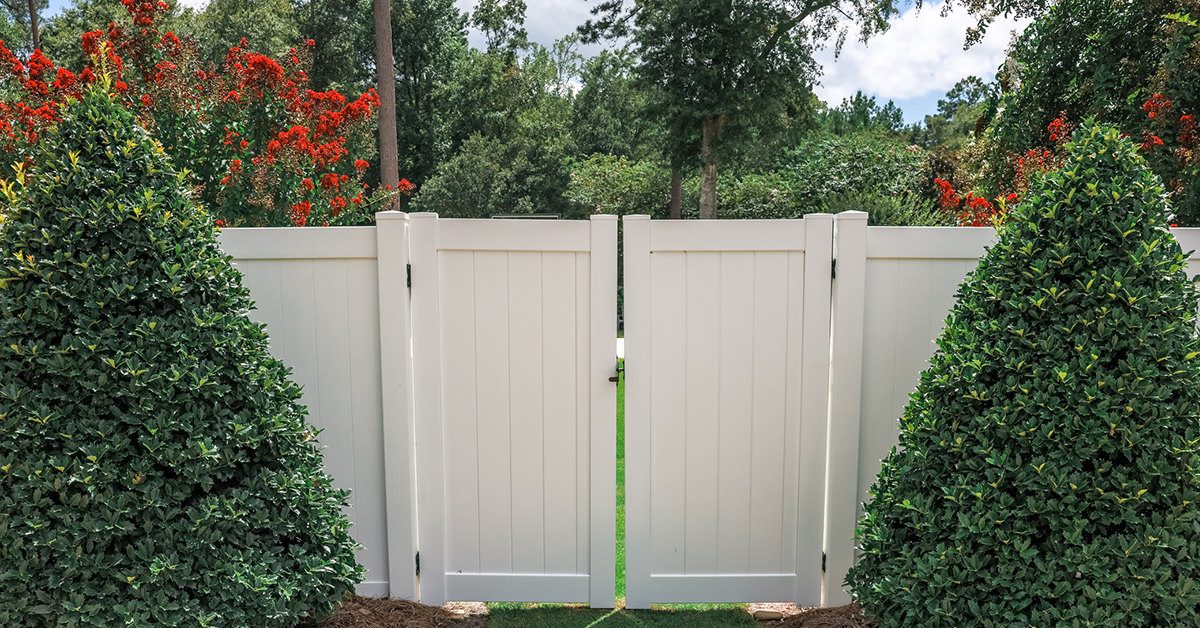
{"type": "Point", "coordinates": [471, 412]}
{"type": "Point", "coordinates": [318, 292]}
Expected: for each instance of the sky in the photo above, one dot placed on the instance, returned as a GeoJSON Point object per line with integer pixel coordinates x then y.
{"type": "Point", "coordinates": [914, 63]}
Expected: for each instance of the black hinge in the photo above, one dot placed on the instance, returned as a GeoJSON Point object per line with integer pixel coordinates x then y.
{"type": "Point", "coordinates": [409, 269]}
{"type": "Point", "coordinates": [833, 270]}
{"type": "Point", "coordinates": [418, 559]}
{"type": "Point", "coordinates": [822, 562]}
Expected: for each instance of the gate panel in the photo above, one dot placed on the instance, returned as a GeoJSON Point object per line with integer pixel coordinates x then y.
{"type": "Point", "coordinates": [514, 341]}
{"type": "Point", "coordinates": [727, 345]}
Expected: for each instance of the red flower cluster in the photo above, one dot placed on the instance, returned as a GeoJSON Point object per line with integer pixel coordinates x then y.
{"type": "Point", "coordinates": [42, 90]}
{"type": "Point", "coordinates": [1060, 129]}
{"type": "Point", "coordinates": [144, 13]}
{"type": "Point", "coordinates": [971, 210]}
{"type": "Point", "coordinates": [275, 133]}
{"type": "Point", "coordinates": [977, 212]}
{"type": "Point", "coordinates": [1187, 129]}
{"type": "Point", "coordinates": [947, 199]}
{"type": "Point", "coordinates": [1150, 141]}
{"type": "Point", "coordinates": [1033, 163]}
{"type": "Point", "coordinates": [300, 212]}
{"type": "Point", "coordinates": [1156, 105]}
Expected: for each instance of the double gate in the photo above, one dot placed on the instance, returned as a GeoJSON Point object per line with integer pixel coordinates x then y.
{"type": "Point", "coordinates": [464, 380]}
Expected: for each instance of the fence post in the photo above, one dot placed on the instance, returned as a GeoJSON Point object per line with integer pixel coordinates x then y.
{"type": "Point", "coordinates": [637, 411]}
{"type": "Point", "coordinates": [845, 400]}
{"type": "Point", "coordinates": [427, 404]}
{"type": "Point", "coordinates": [391, 233]}
{"type": "Point", "coordinates": [603, 411]}
{"type": "Point", "coordinates": [814, 411]}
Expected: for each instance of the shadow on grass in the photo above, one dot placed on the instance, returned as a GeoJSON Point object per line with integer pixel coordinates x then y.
{"type": "Point", "coordinates": [529, 616]}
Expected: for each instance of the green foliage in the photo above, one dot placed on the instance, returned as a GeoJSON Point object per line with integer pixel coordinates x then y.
{"type": "Point", "coordinates": [155, 467]}
{"type": "Point", "coordinates": [15, 29]}
{"type": "Point", "coordinates": [765, 195]}
{"type": "Point", "coordinates": [1088, 58]}
{"type": "Point", "coordinates": [14, 24]}
{"type": "Point", "coordinates": [502, 23]}
{"type": "Point", "coordinates": [860, 114]}
{"type": "Point", "coordinates": [609, 112]}
{"type": "Point", "coordinates": [962, 115]}
{"type": "Point", "coordinates": [338, 29]}
{"type": "Point", "coordinates": [511, 118]}
{"type": "Point", "coordinates": [823, 167]}
{"type": "Point", "coordinates": [428, 38]}
{"type": "Point", "coordinates": [610, 184]}
{"type": "Point", "coordinates": [901, 210]}
{"type": "Point", "coordinates": [714, 64]}
{"type": "Point", "coordinates": [1047, 468]}
{"type": "Point", "coordinates": [488, 177]}
{"type": "Point", "coordinates": [270, 25]}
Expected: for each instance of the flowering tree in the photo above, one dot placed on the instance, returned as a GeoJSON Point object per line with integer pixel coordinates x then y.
{"type": "Point", "coordinates": [262, 148]}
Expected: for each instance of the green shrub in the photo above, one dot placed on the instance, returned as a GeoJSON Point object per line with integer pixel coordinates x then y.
{"type": "Point", "coordinates": [155, 468]}
{"type": "Point", "coordinates": [1047, 467]}
{"type": "Point", "coordinates": [901, 210]}
{"type": "Point", "coordinates": [608, 184]}
{"type": "Point", "coordinates": [764, 195]}
{"type": "Point", "coordinates": [859, 162]}
{"type": "Point", "coordinates": [488, 176]}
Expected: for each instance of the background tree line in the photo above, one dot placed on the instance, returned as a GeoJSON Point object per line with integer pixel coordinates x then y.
{"type": "Point", "coordinates": [698, 107]}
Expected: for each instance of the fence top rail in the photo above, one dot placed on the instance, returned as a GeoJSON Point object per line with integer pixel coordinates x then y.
{"type": "Point", "coordinates": [482, 234]}
{"type": "Point", "coordinates": [726, 235]}
{"type": "Point", "coordinates": [263, 243]}
{"type": "Point", "coordinates": [928, 242]}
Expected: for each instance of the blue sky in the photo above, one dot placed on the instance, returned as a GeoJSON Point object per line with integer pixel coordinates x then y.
{"type": "Point", "coordinates": [913, 64]}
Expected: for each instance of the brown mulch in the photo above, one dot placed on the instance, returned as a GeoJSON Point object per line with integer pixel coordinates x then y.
{"type": "Point", "coordinates": [381, 612]}
{"type": "Point", "coordinates": [848, 616]}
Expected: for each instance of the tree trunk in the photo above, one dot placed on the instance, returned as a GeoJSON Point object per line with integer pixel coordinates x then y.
{"type": "Point", "coordinates": [711, 128]}
{"type": "Point", "coordinates": [676, 206]}
{"type": "Point", "coordinates": [33, 25]}
{"type": "Point", "coordinates": [389, 160]}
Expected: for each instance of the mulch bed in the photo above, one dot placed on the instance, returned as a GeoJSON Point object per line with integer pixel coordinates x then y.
{"type": "Point", "coordinates": [372, 612]}
{"type": "Point", "coordinates": [848, 616]}
{"type": "Point", "coordinates": [376, 612]}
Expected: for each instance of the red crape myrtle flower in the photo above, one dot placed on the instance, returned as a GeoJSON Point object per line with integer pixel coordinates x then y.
{"type": "Point", "coordinates": [250, 132]}
{"type": "Point", "coordinates": [1156, 105]}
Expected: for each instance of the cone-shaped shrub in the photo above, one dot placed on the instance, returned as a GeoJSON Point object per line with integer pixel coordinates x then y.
{"type": "Point", "coordinates": [155, 468]}
{"type": "Point", "coordinates": [1047, 468]}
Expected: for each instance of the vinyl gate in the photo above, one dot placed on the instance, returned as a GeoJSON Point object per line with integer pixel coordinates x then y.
{"type": "Point", "coordinates": [727, 350]}
{"type": "Point", "coordinates": [513, 346]}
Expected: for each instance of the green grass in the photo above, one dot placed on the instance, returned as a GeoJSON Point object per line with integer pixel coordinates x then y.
{"type": "Point", "coordinates": [508, 615]}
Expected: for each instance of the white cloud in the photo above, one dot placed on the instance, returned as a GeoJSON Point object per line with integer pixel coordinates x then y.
{"type": "Point", "coordinates": [921, 53]}
{"type": "Point", "coordinates": [545, 20]}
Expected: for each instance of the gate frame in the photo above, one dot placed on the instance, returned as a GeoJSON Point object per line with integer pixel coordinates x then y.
{"type": "Point", "coordinates": [424, 240]}
{"type": "Point", "coordinates": [813, 423]}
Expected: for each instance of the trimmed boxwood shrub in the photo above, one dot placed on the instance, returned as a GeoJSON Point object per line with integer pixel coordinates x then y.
{"type": "Point", "coordinates": [1047, 467]}
{"type": "Point", "coordinates": [155, 468]}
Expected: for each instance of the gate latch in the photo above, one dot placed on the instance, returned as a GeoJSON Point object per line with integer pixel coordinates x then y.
{"type": "Point", "coordinates": [616, 378]}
